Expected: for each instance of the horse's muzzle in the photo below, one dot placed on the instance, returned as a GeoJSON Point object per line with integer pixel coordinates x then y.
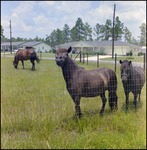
{"type": "Point", "coordinates": [124, 79]}
{"type": "Point", "coordinates": [59, 63]}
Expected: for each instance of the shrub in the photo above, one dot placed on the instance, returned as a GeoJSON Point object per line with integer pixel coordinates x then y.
{"type": "Point", "coordinates": [89, 52]}
{"type": "Point", "coordinates": [128, 54]}
{"type": "Point", "coordinates": [102, 52]}
{"type": "Point", "coordinates": [51, 51]}
{"type": "Point", "coordinates": [139, 54]}
{"type": "Point", "coordinates": [131, 53]}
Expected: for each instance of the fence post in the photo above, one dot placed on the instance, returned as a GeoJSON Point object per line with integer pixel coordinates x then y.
{"type": "Point", "coordinates": [87, 58]}
{"type": "Point", "coordinates": [98, 59]}
{"type": "Point", "coordinates": [40, 54]}
{"type": "Point", "coordinates": [115, 61]}
{"type": "Point", "coordinates": [144, 62]}
{"type": "Point", "coordinates": [4, 53]}
{"type": "Point", "coordinates": [83, 58]}
{"type": "Point", "coordinates": [80, 56]}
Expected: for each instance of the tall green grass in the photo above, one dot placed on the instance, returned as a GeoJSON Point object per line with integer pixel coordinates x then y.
{"type": "Point", "coordinates": [38, 113]}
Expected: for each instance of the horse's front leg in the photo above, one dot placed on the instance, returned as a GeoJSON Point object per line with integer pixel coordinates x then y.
{"type": "Point", "coordinates": [104, 100]}
{"type": "Point", "coordinates": [77, 106]}
{"type": "Point", "coordinates": [22, 63]}
{"type": "Point", "coordinates": [127, 99]}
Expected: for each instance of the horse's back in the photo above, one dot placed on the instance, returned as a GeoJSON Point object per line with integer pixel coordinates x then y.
{"type": "Point", "coordinates": [24, 54]}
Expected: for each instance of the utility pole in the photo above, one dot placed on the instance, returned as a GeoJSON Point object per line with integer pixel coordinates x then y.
{"type": "Point", "coordinates": [113, 32]}
{"type": "Point", "coordinates": [10, 38]}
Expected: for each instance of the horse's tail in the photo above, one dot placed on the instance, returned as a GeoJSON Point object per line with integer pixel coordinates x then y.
{"type": "Point", "coordinates": [33, 56]}
{"type": "Point", "coordinates": [112, 88]}
{"type": "Point", "coordinates": [37, 59]}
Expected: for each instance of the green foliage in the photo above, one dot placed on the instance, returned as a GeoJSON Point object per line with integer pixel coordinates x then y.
{"type": "Point", "coordinates": [130, 57]}
{"type": "Point", "coordinates": [128, 54]}
{"type": "Point", "coordinates": [131, 53]}
{"type": "Point", "coordinates": [139, 54]}
{"type": "Point", "coordinates": [118, 29]}
{"type": "Point", "coordinates": [102, 51]}
{"type": "Point", "coordinates": [52, 51]}
{"type": "Point", "coordinates": [89, 52]}
{"type": "Point", "coordinates": [142, 34]}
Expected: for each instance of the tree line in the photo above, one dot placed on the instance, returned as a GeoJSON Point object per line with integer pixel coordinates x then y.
{"type": "Point", "coordinates": [83, 31]}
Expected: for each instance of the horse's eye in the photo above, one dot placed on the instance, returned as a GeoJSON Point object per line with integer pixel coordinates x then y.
{"type": "Point", "coordinates": [60, 57]}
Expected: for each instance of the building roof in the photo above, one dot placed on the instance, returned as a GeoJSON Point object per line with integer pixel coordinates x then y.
{"type": "Point", "coordinates": [22, 43]}
{"type": "Point", "coordinates": [30, 43]}
{"type": "Point", "coordinates": [102, 43]}
{"type": "Point", "coordinates": [13, 43]}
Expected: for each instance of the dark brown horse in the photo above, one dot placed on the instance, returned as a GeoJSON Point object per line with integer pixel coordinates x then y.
{"type": "Point", "coordinates": [133, 79]}
{"type": "Point", "coordinates": [25, 54]}
{"type": "Point", "coordinates": [87, 83]}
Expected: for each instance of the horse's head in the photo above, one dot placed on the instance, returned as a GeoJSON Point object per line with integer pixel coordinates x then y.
{"type": "Point", "coordinates": [62, 54]}
{"type": "Point", "coordinates": [15, 64]}
{"type": "Point", "coordinates": [126, 69]}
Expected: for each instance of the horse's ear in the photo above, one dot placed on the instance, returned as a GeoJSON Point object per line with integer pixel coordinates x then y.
{"type": "Point", "coordinates": [69, 50]}
{"type": "Point", "coordinates": [130, 62]}
{"type": "Point", "coordinates": [120, 62]}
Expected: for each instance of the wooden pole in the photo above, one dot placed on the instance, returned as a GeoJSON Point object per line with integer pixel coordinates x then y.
{"type": "Point", "coordinates": [98, 59]}
{"type": "Point", "coordinates": [115, 61]}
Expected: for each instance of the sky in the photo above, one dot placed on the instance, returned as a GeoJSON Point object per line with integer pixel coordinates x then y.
{"type": "Point", "coordinates": [39, 18]}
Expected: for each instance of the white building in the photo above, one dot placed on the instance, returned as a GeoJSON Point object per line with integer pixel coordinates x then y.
{"type": "Point", "coordinates": [121, 48]}
{"type": "Point", "coordinates": [37, 46]}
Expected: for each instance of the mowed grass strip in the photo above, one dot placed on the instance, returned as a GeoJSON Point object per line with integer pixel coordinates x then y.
{"type": "Point", "coordinates": [38, 113]}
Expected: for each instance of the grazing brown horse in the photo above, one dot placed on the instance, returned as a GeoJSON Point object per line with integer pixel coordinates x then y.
{"type": "Point", "coordinates": [25, 54]}
{"type": "Point", "coordinates": [87, 83]}
{"type": "Point", "coordinates": [133, 79]}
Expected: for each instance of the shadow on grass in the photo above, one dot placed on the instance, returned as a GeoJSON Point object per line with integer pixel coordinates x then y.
{"type": "Point", "coordinates": [96, 112]}
{"type": "Point", "coordinates": [131, 106]}
{"type": "Point", "coordinates": [26, 69]}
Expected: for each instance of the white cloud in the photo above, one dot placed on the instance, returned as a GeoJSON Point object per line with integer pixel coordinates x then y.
{"type": "Point", "coordinates": [42, 17]}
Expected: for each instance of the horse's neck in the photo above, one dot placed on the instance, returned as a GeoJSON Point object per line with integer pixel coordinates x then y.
{"type": "Point", "coordinates": [69, 69]}
{"type": "Point", "coordinates": [15, 60]}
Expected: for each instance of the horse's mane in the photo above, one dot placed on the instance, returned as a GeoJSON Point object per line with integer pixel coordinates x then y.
{"type": "Point", "coordinates": [72, 62]}
{"type": "Point", "coordinates": [62, 50]}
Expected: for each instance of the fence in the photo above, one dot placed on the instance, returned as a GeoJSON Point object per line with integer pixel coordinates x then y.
{"type": "Point", "coordinates": [115, 60]}
{"type": "Point", "coordinates": [36, 105]}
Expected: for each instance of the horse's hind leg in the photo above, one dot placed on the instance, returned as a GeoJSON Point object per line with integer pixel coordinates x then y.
{"type": "Point", "coordinates": [139, 96]}
{"type": "Point", "coordinates": [22, 63]}
{"type": "Point", "coordinates": [113, 100]}
{"type": "Point", "coordinates": [104, 100]}
{"type": "Point", "coordinates": [33, 64]}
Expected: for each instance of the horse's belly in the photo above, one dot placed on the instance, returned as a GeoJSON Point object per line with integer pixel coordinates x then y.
{"type": "Point", "coordinates": [93, 92]}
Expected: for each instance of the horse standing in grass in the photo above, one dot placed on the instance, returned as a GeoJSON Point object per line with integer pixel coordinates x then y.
{"type": "Point", "coordinates": [87, 83]}
{"type": "Point", "coordinates": [133, 79]}
{"type": "Point", "coordinates": [25, 54]}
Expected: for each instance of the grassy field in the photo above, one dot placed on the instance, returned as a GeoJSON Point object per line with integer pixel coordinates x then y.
{"type": "Point", "coordinates": [38, 113]}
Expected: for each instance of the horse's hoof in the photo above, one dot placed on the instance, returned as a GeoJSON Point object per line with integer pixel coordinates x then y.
{"type": "Point", "coordinates": [78, 115]}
